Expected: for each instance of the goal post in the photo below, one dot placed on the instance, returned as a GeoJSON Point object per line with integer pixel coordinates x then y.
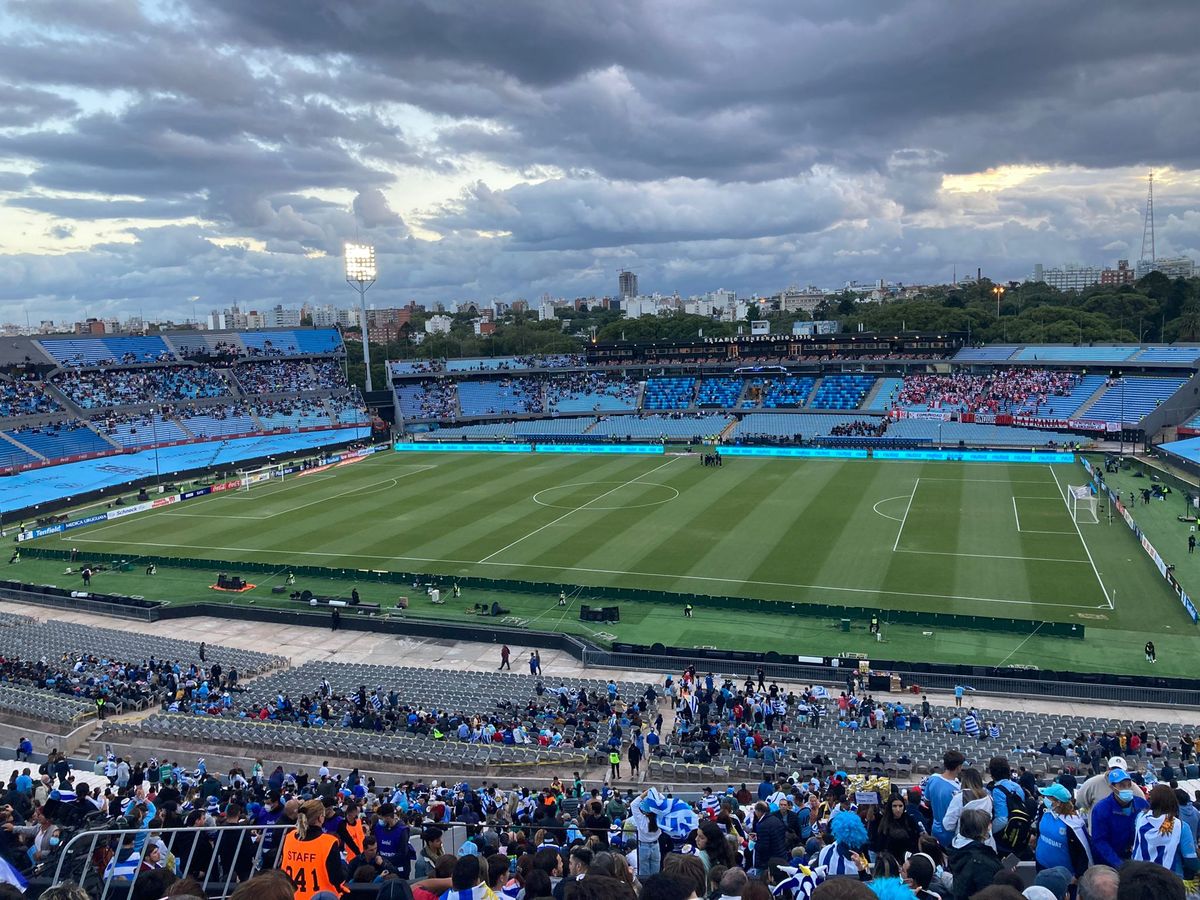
{"type": "Point", "coordinates": [1083, 504]}
{"type": "Point", "coordinates": [251, 477]}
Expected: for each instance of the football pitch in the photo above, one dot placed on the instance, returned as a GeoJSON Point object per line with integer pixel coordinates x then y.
{"type": "Point", "coordinates": [966, 538]}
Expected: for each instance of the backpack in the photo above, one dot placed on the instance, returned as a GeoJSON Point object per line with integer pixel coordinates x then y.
{"type": "Point", "coordinates": [1014, 837]}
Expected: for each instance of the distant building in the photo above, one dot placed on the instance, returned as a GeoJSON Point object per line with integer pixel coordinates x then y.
{"type": "Point", "coordinates": [1067, 278]}
{"type": "Point", "coordinates": [1122, 274]}
{"type": "Point", "coordinates": [1171, 266]}
{"type": "Point", "coordinates": [438, 324]}
{"type": "Point", "coordinates": [796, 300]}
{"type": "Point", "coordinates": [820, 326]}
{"type": "Point", "coordinates": [627, 284]}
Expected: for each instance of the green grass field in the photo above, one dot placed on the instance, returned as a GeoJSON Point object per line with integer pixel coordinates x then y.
{"type": "Point", "coordinates": [982, 539]}
{"type": "Point", "coordinates": [978, 539]}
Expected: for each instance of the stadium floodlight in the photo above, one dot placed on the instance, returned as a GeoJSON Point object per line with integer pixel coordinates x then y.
{"type": "Point", "coordinates": [360, 275]}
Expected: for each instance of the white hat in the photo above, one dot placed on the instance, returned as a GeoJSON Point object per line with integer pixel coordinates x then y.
{"type": "Point", "coordinates": [1117, 762]}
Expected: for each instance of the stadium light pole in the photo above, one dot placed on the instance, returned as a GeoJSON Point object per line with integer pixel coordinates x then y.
{"type": "Point", "coordinates": [998, 290]}
{"type": "Point", "coordinates": [360, 275]}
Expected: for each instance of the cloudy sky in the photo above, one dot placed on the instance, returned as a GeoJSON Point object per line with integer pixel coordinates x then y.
{"type": "Point", "coordinates": [157, 155]}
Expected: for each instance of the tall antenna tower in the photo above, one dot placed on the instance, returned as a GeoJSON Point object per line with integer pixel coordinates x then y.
{"type": "Point", "coordinates": [1148, 228]}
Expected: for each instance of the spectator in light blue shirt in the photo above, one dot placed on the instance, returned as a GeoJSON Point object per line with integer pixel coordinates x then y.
{"type": "Point", "coordinates": [939, 790]}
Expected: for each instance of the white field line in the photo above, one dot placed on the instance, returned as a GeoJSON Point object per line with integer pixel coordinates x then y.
{"type": "Point", "coordinates": [1017, 514]}
{"type": "Point", "coordinates": [571, 512]}
{"type": "Point", "coordinates": [905, 519]}
{"type": "Point", "coordinates": [1099, 580]}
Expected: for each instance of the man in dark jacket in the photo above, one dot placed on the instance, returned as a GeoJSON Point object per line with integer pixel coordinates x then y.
{"type": "Point", "coordinates": [770, 836]}
{"type": "Point", "coordinates": [975, 865]}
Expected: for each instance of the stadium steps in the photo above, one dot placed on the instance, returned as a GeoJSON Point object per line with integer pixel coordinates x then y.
{"type": "Point", "coordinates": [104, 437]}
{"type": "Point", "coordinates": [1089, 402]}
{"type": "Point", "coordinates": [812, 392]}
{"type": "Point", "coordinates": [329, 411]}
{"type": "Point", "coordinates": [12, 440]}
{"type": "Point", "coordinates": [741, 397]}
{"type": "Point", "coordinates": [727, 431]}
{"type": "Point", "coordinates": [869, 399]}
{"type": "Point", "coordinates": [66, 402]}
{"type": "Point", "coordinates": [182, 423]}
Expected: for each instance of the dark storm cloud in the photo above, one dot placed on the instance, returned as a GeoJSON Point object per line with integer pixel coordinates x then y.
{"type": "Point", "coordinates": [747, 145]}
{"type": "Point", "coordinates": [21, 106]}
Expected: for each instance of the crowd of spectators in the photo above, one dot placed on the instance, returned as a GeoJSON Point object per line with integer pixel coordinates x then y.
{"type": "Point", "coordinates": [560, 387]}
{"type": "Point", "coordinates": [438, 399]}
{"type": "Point", "coordinates": [127, 387]}
{"type": "Point", "coordinates": [556, 717]}
{"type": "Point", "coordinates": [116, 683]}
{"type": "Point", "coordinates": [290, 377]}
{"type": "Point", "coordinates": [1106, 829]}
{"type": "Point", "coordinates": [1016, 391]}
{"type": "Point", "coordinates": [22, 397]}
{"type": "Point", "coordinates": [861, 428]}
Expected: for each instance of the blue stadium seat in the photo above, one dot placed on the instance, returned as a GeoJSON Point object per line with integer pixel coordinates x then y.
{"type": "Point", "coordinates": [787, 393]}
{"type": "Point", "coordinates": [841, 391]}
{"type": "Point", "coordinates": [721, 393]}
{"type": "Point", "coordinates": [668, 393]}
{"type": "Point", "coordinates": [1140, 397]}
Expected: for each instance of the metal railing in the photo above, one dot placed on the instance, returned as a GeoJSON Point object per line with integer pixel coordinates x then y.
{"type": "Point", "coordinates": [83, 604]}
{"type": "Point", "coordinates": [219, 858]}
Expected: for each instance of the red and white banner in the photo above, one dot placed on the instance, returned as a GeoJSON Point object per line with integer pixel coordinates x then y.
{"type": "Point", "coordinates": [1077, 424]}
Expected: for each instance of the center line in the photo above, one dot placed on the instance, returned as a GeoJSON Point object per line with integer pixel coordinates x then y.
{"type": "Point", "coordinates": [578, 508]}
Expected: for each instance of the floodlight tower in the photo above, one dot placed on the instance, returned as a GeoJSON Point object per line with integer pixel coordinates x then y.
{"type": "Point", "coordinates": [360, 275]}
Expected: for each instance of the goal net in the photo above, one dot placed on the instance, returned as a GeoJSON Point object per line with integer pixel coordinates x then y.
{"type": "Point", "coordinates": [251, 477]}
{"type": "Point", "coordinates": [1083, 504]}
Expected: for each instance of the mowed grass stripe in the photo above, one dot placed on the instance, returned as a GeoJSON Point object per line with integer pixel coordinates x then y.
{"type": "Point", "coordinates": [851, 544]}
{"type": "Point", "coordinates": [786, 530]}
{"type": "Point", "coordinates": [521, 515]}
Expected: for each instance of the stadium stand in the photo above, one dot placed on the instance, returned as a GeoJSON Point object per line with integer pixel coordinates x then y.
{"type": "Point", "coordinates": [1021, 391]}
{"type": "Point", "coordinates": [1044, 353]}
{"type": "Point", "coordinates": [100, 389]}
{"type": "Point", "coordinates": [789, 426]}
{"type": "Point", "coordinates": [491, 364]}
{"type": "Point", "coordinates": [504, 397]}
{"type": "Point", "coordinates": [886, 395]}
{"type": "Point", "coordinates": [990, 353]}
{"type": "Point", "coordinates": [668, 393]}
{"type": "Point", "coordinates": [582, 392]}
{"type": "Point", "coordinates": [107, 351]}
{"type": "Point", "coordinates": [1183, 355]}
{"type": "Point", "coordinates": [719, 393]}
{"type": "Point", "coordinates": [660, 427]}
{"type": "Point", "coordinates": [139, 429]}
{"type": "Point", "coordinates": [219, 421]}
{"type": "Point", "coordinates": [21, 397]}
{"type": "Point", "coordinates": [785, 393]}
{"type": "Point", "coordinates": [841, 391]}
{"type": "Point", "coordinates": [428, 399]}
{"type": "Point", "coordinates": [59, 440]}
{"type": "Point", "coordinates": [1131, 398]}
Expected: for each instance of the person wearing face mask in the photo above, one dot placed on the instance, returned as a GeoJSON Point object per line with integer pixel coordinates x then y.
{"type": "Point", "coordinates": [1113, 819]}
{"type": "Point", "coordinates": [1062, 833]}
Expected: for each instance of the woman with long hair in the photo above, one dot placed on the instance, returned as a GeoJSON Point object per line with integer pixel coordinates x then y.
{"type": "Point", "coordinates": [1160, 836]}
{"type": "Point", "coordinates": [649, 857]}
{"type": "Point", "coordinates": [972, 795]}
{"type": "Point", "coordinates": [895, 831]}
{"type": "Point", "coordinates": [712, 847]}
{"type": "Point", "coordinates": [311, 858]}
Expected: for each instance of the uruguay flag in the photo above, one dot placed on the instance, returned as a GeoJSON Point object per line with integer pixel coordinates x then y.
{"type": "Point", "coordinates": [675, 817]}
{"type": "Point", "coordinates": [9, 875]}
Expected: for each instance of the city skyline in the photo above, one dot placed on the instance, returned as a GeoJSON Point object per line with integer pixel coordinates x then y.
{"type": "Point", "coordinates": [165, 153]}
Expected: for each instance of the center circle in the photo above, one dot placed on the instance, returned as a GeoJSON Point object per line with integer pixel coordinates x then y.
{"type": "Point", "coordinates": [610, 491]}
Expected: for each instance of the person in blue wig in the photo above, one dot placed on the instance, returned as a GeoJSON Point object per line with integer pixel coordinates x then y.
{"type": "Point", "coordinates": [845, 856]}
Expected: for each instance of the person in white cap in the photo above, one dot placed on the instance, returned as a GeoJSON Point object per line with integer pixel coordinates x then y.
{"type": "Point", "coordinates": [1097, 787]}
